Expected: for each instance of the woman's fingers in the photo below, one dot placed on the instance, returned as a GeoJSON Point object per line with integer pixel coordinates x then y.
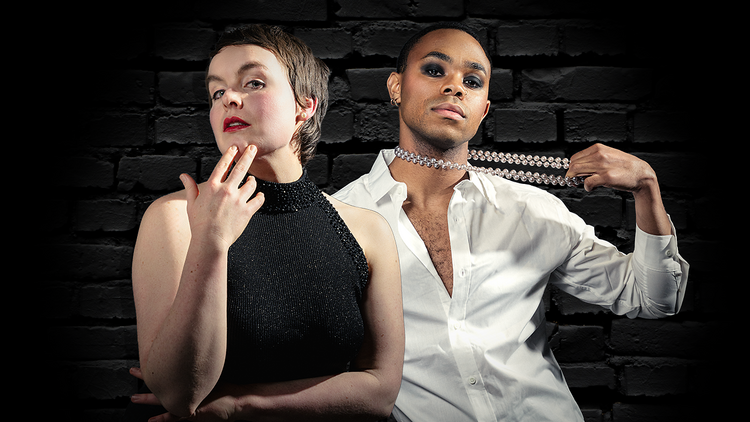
{"type": "Point", "coordinates": [242, 166]}
{"type": "Point", "coordinates": [224, 206]}
{"type": "Point", "coordinates": [190, 187]}
{"type": "Point", "coordinates": [254, 202]}
{"type": "Point", "coordinates": [223, 167]}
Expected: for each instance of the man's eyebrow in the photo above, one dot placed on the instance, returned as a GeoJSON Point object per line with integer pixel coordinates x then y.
{"type": "Point", "coordinates": [446, 58]}
{"type": "Point", "coordinates": [242, 69]}
{"type": "Point", "coordinates": [475, 66]}
{"type": "Point", "coordinates": [442, 56]}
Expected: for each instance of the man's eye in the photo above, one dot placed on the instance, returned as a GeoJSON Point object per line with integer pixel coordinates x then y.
{"type": "Point", "coordinates": [432, 70]}
{"type": "Point", "coordinates": [473, 82]}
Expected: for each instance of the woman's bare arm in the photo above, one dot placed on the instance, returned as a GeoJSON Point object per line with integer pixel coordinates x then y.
{"type": "Point", "coordinates": [179, 283]}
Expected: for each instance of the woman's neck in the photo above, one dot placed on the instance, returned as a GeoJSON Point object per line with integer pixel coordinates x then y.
{"type": "Point", "coordinates": [277, 167]}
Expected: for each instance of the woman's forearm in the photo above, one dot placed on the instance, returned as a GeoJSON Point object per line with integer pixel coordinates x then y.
{"type": "Point", "coordinates": [359, 395]}
{"type": "Point", "coordinates": [187, 356]}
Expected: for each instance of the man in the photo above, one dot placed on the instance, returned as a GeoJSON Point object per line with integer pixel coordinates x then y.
{"type": "Point", "coordinates": [477, 251]}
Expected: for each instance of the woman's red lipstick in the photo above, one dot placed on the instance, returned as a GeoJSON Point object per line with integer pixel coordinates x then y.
{"type": "Point", "coordinates": [234, 123]}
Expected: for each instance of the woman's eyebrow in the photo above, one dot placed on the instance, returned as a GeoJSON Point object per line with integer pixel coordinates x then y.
{"type": "Point", "coordinates": [242, 69]}
{"type": "Point", "coordinates": [250, 65]}
{"type": "Point", "coordinates": [448, 59]}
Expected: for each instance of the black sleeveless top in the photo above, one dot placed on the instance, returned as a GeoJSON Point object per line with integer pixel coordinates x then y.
{"type": "Point", "coordinates": [295, 281]}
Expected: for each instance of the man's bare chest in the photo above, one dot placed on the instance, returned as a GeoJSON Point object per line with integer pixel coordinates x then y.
{"type": "Point", "coordinates": [432, 227]}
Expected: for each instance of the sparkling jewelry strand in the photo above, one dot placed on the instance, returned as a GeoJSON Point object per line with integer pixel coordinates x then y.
{"type": "Point", "coordinates": [499, 157]}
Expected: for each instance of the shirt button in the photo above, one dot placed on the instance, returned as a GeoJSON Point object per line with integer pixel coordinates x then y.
{"type": "Point", "coordinates": [462, 273]}
{"type": "Point", "coordinates": [472, 380]}
{"type": "Point", "coordinates": [669, 253]}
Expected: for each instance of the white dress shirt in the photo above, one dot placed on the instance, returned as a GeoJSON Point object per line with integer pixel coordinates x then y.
{"type": "Point", "coordinates": [482, 354]}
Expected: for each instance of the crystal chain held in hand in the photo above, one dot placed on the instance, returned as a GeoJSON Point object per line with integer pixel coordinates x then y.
{"type": "Point", "coordinates": [499, 157]}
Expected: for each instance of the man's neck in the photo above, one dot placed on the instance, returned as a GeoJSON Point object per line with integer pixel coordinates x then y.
{"type": "Point", "coordinates": [425, 185]}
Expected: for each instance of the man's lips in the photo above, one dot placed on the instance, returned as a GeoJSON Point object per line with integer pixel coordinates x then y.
{"type": "Point", "coordinates": [450, 110]}
{"type": "Point", "coordinates": [233, 124]}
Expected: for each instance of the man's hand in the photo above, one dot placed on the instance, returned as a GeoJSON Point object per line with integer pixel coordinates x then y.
{"type": "Point", "coordinates": [610, 167]}
{"type": "Point", "coordinates": [605, 166]}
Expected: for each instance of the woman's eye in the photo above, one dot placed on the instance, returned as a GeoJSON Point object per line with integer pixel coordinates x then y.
{"type": "Point", "coordinates": [217, 94]}
{"type": "Point", "coordinates": [255, 84]}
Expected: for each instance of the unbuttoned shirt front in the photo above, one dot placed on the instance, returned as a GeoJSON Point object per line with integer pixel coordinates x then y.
{"type": "Point", "coordinates": [483, 354]}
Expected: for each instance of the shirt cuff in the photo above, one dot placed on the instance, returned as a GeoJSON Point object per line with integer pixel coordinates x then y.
{"type": "Point", "coordinates": [660, 271]}
{"type": "Point", "coordinates": [653, 251]}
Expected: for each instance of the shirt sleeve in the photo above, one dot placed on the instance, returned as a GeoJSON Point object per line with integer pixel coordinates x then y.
{"type": "Point", "coordinates": [648, 283]}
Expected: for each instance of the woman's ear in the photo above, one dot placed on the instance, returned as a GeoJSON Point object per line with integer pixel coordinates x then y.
{"type": "Point", "coordinates": [394, 88]}
{"type": "Point", "coordinates": [311, 106]}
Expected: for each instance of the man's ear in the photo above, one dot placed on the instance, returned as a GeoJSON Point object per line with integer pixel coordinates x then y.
{"type": "Point", "coordinates": [394, 87]}
{"type": "Point", "coordinates": [486, 110]}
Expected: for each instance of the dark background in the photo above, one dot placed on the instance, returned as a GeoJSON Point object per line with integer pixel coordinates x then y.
{"type": "Point", "coordinates": [124, 88]}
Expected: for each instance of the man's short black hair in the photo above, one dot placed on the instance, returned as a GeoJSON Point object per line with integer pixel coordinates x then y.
{"type": "Point", "coordinates": [406, 49]}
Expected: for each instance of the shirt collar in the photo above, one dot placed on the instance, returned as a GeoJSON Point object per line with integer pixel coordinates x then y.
{"type": "Point", "coordinates": [380, 182]}
{"type": "Point", "coordinates": [483, 184]}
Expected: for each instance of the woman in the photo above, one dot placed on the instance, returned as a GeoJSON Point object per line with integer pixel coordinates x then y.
{"type": "Point", "coordinates": [279, 305]}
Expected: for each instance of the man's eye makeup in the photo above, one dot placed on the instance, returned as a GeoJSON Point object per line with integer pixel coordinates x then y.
{"type": "Point", "coordinates": [434, 70]}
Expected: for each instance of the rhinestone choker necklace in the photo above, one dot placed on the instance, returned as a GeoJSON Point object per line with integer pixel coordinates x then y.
{"type": "Point", "coordinates": [499, 157]}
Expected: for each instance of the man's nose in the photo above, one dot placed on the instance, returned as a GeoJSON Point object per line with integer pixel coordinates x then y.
{"type": "Point", "coordinates": [453, 86]}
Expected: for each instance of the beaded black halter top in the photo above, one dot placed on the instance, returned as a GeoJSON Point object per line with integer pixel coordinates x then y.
{"type": "Point", "coordinates": [295, 281]}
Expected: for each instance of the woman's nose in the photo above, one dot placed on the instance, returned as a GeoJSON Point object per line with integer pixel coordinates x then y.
{"type": "Point", "coordinates": [232, 98]}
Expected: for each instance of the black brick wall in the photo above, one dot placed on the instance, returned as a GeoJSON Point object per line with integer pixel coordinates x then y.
{"type": "Point", "coordinates": [129, 91]}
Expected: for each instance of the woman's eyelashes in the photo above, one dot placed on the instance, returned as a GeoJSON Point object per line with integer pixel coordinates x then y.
{"type": "Point", "coordinates": [253, 84]}
{"type": "Point", "coordinates": [217, 94]}
{"type": "Point", "coordinates": [436, 71]}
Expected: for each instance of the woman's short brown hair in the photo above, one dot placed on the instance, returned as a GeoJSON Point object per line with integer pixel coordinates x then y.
{"type": "Point", "coordinates": [308, 75]}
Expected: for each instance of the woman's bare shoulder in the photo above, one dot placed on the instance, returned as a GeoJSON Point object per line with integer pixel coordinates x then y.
{"type": "Point", "coordinates": [167, 206]}
{"type": "Point", "coordinates": [367, 226]}
{"type": "Point", "coordinates": [351, 212]}
{"type": "Point", "coordinates": [166, 214]}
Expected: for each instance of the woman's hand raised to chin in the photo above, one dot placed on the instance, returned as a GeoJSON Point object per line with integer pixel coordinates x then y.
{"type": "Point", "coordinates": [220, 210]}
